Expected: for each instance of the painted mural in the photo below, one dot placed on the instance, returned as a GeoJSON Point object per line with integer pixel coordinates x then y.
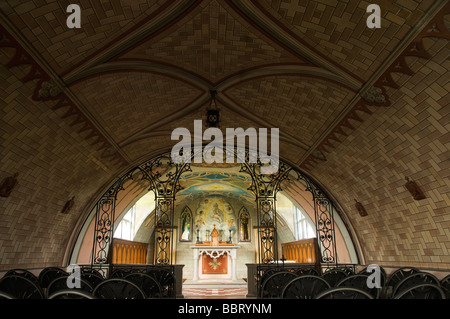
{"type": "Point", "coordinates": [215, 212]}
{"type": "Point", "coordinates": [200, 184]}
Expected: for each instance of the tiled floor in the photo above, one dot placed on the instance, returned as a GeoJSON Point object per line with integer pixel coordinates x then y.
{"type": "Point", "coordinates": [218, 293]}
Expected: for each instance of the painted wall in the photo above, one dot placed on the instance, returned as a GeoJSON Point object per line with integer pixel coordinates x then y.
{"type": "Point", "coordinates": [245, 254]}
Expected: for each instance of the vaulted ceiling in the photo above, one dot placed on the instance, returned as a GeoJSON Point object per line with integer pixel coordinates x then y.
{"type": "Point", "coordinates": [358, 109]}
{"type": "Point", "coordinates": [136, 70]}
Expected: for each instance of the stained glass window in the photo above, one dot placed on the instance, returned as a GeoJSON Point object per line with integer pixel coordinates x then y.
{"type": "Point", "coordinates": [186, 225]}
{"type": "Point", "coordinates": [244, 225]}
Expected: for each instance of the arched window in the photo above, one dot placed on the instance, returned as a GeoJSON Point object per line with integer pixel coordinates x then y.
{"type": "Point", "coordinates": [131, 221]}
{"type": "Point", "coordinates": [303, 228]}
{"type": "Point", "coordinates": [126, 230]}
{"type": "Point", "coordinates": [244, 225]}
{"type": "Point", "coordinates": [186, 225]}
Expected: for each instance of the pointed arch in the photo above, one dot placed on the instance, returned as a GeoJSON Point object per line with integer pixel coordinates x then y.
{"type": "Point", "coordinates": [186, 224]}
{"type": "Point", "coordinates": [244, 225]}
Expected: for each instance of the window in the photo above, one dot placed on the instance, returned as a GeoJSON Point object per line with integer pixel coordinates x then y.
{"type": "Point", "coordinates": [125, 230]}
{"type": "Point", "coordinates": [134, 218]}
{"type": "Point", "coordinates": [302, 226]}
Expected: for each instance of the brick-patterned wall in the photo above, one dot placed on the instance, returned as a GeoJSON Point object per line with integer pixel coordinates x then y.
{"type": "Point", "coordinates": [54, 163]}
{"type": "Point", "coordinates": [410, 138]}
{"type": "Point", "coordinates": [148, 92]}
{"type": "Point", "coordinates": [338, 28]}
{"type": "Point", "coordinates": [214, 43]}
{"type": "Point", "coordinates": [44, 24]}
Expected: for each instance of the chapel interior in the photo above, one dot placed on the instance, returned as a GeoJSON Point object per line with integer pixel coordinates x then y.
{"type": "Point", "coordinates": [94, 206]}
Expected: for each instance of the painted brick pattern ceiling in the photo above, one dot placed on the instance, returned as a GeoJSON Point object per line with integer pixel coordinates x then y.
{"type": "Point", "coordinates": [358, 109]}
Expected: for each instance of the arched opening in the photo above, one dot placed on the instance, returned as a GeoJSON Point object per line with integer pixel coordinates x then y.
{"type": "Point", "coordinates": [169, 210]}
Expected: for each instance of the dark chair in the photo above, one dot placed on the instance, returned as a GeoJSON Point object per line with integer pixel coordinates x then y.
{"type": "Point", "coordinates": [414, 280]}
{"type": "Point", "coordinates": [21, 287]}
{"type": "Point", "coordinates": [148, 284]}
{"type": "Point", "coordinates": [118, 288]}
{"type": "Point", "coordinates": [71, 294]}
{"type": "Point", "coordinates": [25, 273]}
{"type": "Point", "coordinates": [333, 276]}
{"type": "Point", "coordinates": [93, 278]}
{"type": "Point", "coordinates": [399, 274]}
{"type": "Point", "coordinates": [349, 271]}
{"type": "Point", "coordinates": [267, 273]}
{"type": "Point", "coordinates": [274, 284]}
{"type": "Point", "coordinates": [120, 273]}
{"type": "Point", "coordinates": [421, 291]}
{"type": "Point", "coordinates": [306, 271]}
{"type": "Point", "coordinates": [61, 284]}
{"type": "Point", "coordinates": [88, 270]}
{"type": "Point", "coordinates": [304, 287]}
{"type": "Point", "coordinates": [344, 293]}
{"type": "Point", "coordinates": [5, 295]}
{"type": "Point", "coordinates": [47, 275]}
{"type": "Point", "coordinates": [445, 286]}
{"type": "Point", "coordinates": [166, 281]}
{"type": "Point", "coordinates": [359, 281]}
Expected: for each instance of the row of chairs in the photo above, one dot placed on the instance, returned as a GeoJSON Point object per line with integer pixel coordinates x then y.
{"type": "Point", "coordinates": [53, 283]}
{"type": "Point", "coordinates": [343, 283]}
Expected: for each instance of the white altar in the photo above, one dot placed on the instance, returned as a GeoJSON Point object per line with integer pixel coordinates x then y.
{"type": "Point", "coordinates": [227, 253]}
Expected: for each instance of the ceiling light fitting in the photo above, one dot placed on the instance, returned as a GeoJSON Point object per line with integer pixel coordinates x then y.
{"type": "Point", "coordinates": [212, 112]}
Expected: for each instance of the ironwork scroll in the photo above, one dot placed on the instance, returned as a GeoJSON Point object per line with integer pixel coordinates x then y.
{"type": "Point", "coordinates": [162, 176]}
{"type": "Point", "coordinates": [265, 188]}
{"type": "Point", "coordinates": [104, 222]}
{"type": "Point", "coordinates": [103, 229]}
{"type": "Point", "coordinates": [165, 176]}
{"type": "Point", "coordinates": [324, 210]}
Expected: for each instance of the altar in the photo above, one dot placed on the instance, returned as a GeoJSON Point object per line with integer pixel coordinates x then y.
{"type": "Point", "coordinates": [214, 262]}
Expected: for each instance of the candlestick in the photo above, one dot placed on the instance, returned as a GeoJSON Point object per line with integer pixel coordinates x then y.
{"type": "Point", "coordinates": [198, 238]}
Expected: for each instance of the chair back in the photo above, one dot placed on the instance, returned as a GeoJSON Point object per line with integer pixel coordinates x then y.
{"type": "Point", "coordinates": [344, 293]}
{"type": "Point", "coordinates": [273, 286]}
{"type": "Point", "coordinates": [359, 281]}
{"type": "Point", "coordinates": [118, 288]}
{"type": "Point", "coordinates": [21, 287]}
{"type": "Point", "coordinates": [421, 291]}
{"type": "Point", "coordinates": [304, 287]}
